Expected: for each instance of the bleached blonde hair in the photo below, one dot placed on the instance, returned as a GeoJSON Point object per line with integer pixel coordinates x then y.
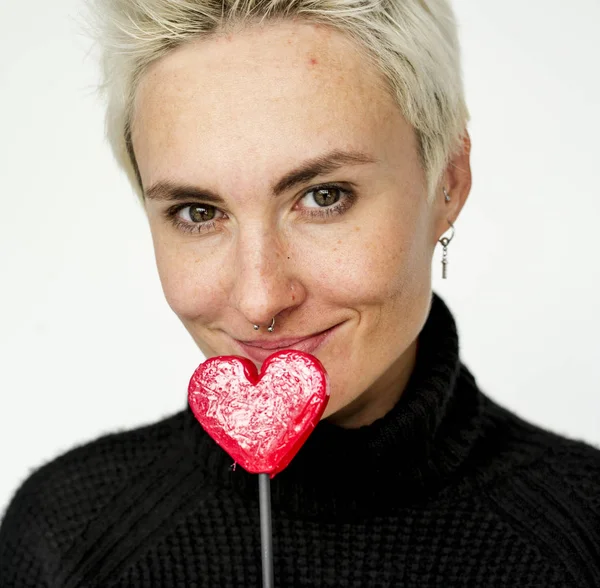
{"type": "Point", "coordinates": [413, 42]}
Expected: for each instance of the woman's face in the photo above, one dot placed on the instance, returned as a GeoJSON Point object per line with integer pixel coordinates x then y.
{"type": "Point", "coordinates": [282, 181]}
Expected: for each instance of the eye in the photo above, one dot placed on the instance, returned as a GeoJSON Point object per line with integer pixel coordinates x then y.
{"type": "Point", "coordinates": [327, 200]}
{"type": "Point", "coordinates": [198, 213]}
{"type": "Point", "coordinates": [194, 217]}
{"type": "Point", "coordinates": [322, 197]}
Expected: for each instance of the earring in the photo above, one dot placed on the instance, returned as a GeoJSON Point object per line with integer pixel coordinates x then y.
{"type": "Point", "coordinates": [446, 195]}
{"type": "Point", "coordinates": [445, 241]}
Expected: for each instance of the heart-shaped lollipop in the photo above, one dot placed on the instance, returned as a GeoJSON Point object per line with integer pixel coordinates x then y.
{"type": "Point", "coordinates": [260, 420]}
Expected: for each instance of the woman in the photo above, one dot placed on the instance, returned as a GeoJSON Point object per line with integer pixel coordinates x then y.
{"type": "Point", "coordinates": [299, 162]}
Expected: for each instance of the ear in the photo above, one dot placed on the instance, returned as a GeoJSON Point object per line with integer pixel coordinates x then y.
{"type": "Point", "coordinates": [456, 179]}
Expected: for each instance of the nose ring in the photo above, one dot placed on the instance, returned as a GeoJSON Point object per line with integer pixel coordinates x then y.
{"type": "Point", "coordinates": [270, 328]}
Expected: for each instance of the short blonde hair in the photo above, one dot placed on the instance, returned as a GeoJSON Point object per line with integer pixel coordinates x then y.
{"type": "Point", "coordinates": [413, 42]}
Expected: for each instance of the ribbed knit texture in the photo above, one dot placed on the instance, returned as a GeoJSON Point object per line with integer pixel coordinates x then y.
{"type": "Point", "coordinates": [448, 489]}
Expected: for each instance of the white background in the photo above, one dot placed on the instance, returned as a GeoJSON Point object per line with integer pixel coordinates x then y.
{"type": "Point", "coordinates": [87, 344]}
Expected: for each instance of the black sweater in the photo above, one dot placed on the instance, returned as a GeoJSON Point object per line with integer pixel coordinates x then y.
{"type": "Point", "coordinates": [448, 489]}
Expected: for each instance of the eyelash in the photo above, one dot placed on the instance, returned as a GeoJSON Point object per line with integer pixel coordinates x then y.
{"type": "Point", "coordinates": [346, 201]}
{"type": "Point", "coordinates": [184, 226]}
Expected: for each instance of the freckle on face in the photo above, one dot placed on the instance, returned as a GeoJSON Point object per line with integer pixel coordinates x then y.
{"type": "Point", "coordinates": [286, 111]}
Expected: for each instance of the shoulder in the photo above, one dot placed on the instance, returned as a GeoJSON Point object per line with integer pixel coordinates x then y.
{"type": "Point", "coordinates": [548, 490]}
{"type": "Point", "coordinates": [55, 503]}
{"type": "Point", "coordinates": [529, 447]}
{"type": "Point", "coordinates": [98, 465]}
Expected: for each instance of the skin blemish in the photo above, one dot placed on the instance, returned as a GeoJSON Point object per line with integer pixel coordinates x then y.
{"type": "Point", "coordinates": [313, 61]}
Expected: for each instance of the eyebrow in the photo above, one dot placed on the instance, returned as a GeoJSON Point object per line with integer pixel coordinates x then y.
{"type": "Point", "coordinates": [321, 165]}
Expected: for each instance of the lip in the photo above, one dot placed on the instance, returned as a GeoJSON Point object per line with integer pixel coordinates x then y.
{"type": "Point", "coordinates": [258, 350]}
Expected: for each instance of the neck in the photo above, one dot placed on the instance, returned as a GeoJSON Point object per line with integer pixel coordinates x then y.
{"type": "Point", "coordinates": [381, 397]}
{"type": "Point", "coordinates": [414, 449]}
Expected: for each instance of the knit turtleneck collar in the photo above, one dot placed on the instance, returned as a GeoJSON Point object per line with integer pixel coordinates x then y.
{"type": "Point", "coordinates": [414, 450]}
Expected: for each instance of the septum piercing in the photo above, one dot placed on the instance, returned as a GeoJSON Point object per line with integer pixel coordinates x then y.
{"type": "Point", "coordinates": [270, 328]}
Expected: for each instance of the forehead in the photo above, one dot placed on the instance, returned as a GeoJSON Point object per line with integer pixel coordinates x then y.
{"type": "Point", "coordinates": [263, 97]}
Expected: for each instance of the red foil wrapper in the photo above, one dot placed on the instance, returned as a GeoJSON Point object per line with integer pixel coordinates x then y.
{"type": "Point", "coordinates": [260, 419]}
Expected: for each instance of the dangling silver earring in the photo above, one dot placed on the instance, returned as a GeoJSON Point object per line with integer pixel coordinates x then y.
{"type": "Point", "coordinates": [445, 241]}
{"type": "Point", "coordinates": [446, 195]}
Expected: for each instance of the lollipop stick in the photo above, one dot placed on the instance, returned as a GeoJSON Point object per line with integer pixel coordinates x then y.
{"type": "Point", "coordinates": [266, 536]}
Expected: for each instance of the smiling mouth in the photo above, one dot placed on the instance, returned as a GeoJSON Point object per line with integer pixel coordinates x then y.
{"type": "Point", "coordinates": [259, 350]}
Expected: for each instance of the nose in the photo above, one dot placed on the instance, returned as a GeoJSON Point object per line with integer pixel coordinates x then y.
{"type": "Point", "coordinates": [266, 282]}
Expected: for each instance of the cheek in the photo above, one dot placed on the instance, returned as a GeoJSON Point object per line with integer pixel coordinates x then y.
{"type": "Point", "coordinates": [192, 283]}
{"type": "Point", "coordinates": [370, 265]}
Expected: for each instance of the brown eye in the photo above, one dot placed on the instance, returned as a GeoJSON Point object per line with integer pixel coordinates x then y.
{"type": "Point", "coordinates": [326, 196]}
{"type": "Point", "coordinates": [325, 201]}
{"type": "Point", "coordinates": [202, 213]}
